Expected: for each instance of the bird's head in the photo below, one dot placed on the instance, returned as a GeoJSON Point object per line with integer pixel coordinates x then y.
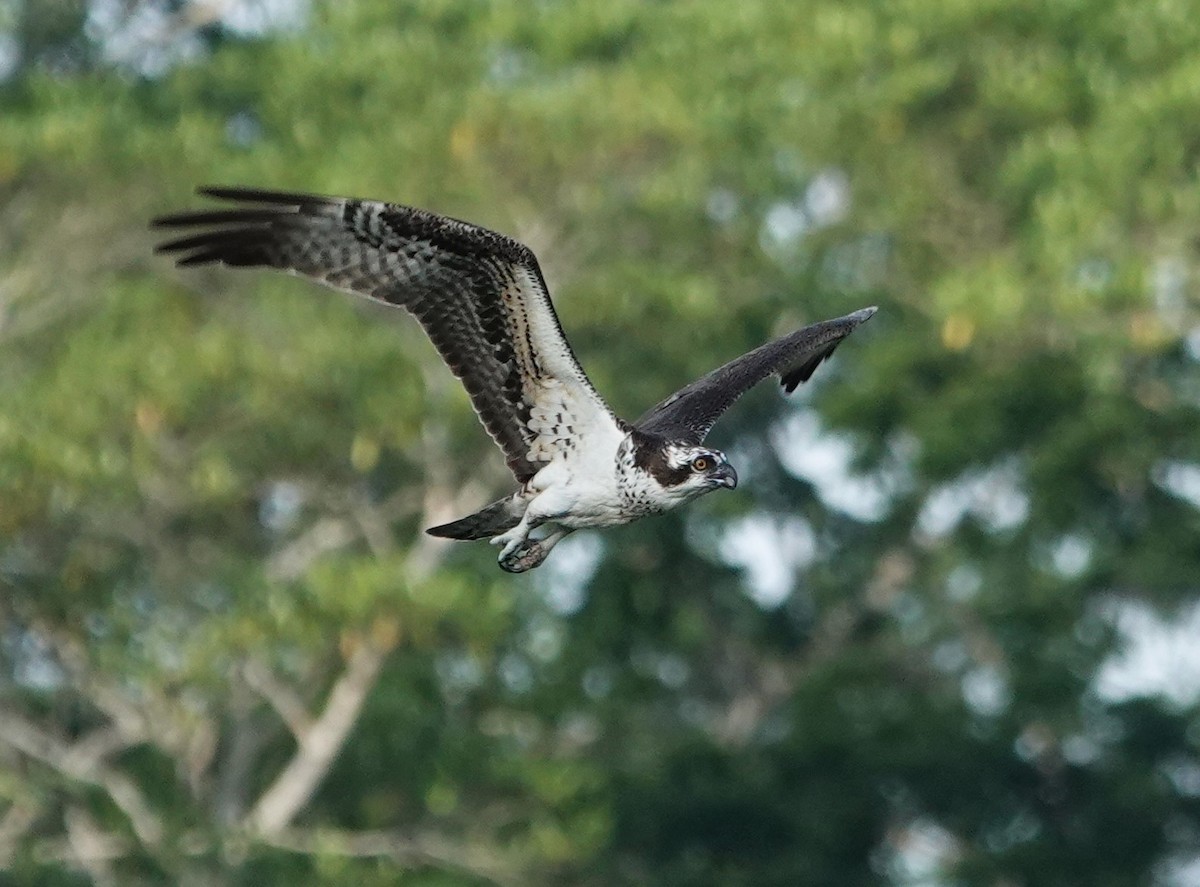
{"type": "Point", "coordinates": [680, 470]}
{"type": "Point", "coordinates": [699, 468]}
{"type": "Point", "coordinates": [661, 473]}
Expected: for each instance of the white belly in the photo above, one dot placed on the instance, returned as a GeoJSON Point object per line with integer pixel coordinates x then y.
{"type": "Point", "coordinates": [576, 499]}
{"type": "Point", "coordinates": [596, 487]}
{"type": "Point", "coordinates": [580, 490]}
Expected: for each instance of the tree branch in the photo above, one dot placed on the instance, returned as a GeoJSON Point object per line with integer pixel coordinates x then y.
{"type": "Point", "coordinates": [108, 848]}
{"type": "Point", "coordinates": [319, 739]}
{"type": "Point", "coordinates": [327, 534]}
{"type": "Point", "coordinates": [422, 848]}
{"type": "Point", "coordinates": [186, 736]}
{"type": "Point", "coordinates": [247, 731]}
{"type": "Point", "coordinates": [464, 855]}
{"type": "Point", "coordinates": [90, 846]}
{"type": "Point", "coordinates": [319, 745]}
{"type": "Point", "coordinates": [15, 824]}
{"type": "Point", "coordinates": [286, 702]}
{"type": "Point", "coordinates": [82, 763]}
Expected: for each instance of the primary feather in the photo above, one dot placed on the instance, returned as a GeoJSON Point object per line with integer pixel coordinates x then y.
{"type": "Point", "coordinates": [479, 295]}
{"type": "Point", "coordinates": [690, 413]}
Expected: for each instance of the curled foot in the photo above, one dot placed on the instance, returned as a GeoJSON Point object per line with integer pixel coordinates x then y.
{"type": "Point", "coordinates": [524, 558]}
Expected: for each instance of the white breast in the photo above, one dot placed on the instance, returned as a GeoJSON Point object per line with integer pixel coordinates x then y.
{"type": "Point", "coordinates": [580, 485]}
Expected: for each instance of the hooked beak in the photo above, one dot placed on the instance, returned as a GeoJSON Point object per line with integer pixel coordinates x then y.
{"type": "Point", "coordinates": [726, 475]}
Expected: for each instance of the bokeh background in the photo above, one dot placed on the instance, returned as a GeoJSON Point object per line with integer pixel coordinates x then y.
{"type": "Point", "coordinates": [946, 632]}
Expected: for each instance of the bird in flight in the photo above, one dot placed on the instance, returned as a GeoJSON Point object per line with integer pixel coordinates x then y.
{"type": "Point", "coordinates": [481, 298]}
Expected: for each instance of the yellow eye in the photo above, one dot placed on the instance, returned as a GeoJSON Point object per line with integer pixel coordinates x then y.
{"type": "Point", "coordinates": [701, 463]}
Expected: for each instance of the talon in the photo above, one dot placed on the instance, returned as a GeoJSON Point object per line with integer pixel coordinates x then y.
{"type": "Point", "coordinates": [511, 548]}
{"type": "Point", "coordinates": [532, 555]}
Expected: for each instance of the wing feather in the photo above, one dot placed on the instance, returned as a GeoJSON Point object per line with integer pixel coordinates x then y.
{"type": "Point", "coordinates": [690, 413]}
{"type": "Point", "coordinates": [479, 295]}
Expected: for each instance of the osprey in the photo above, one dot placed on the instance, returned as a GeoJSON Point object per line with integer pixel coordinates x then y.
{"type": "Point", "coordinates": [481, 298]}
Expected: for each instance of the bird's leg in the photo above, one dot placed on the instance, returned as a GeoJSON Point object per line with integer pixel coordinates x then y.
{"type": "Point", "coordinates": [513, 539]}
{"type": "Point", "coordinates": [546, 504]}
{"type": "Point", "coordinates": [534, 553]}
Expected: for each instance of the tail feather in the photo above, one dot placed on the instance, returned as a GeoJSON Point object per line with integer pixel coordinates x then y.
{"type": "Point", "coordinates": [493, 520]}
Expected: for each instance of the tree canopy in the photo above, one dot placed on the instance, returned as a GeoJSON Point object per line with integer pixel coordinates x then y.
{"type": "Point", "coordinates": [944, 633]}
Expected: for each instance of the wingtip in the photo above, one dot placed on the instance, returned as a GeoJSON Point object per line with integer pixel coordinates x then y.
{"type": "Point", "coordinates": [222, 192]}
{"type": "Point", "coordinates": [239, 194]}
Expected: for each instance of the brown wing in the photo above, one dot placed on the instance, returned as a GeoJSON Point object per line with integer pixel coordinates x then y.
{"type": "Point", "coordinates": [689, 414]}
{"type": "Point", "coordinates": [479, 295]}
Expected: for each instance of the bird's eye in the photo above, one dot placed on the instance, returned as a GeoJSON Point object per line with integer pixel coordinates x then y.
{"type": "Point", "coordinates": [701, 463]}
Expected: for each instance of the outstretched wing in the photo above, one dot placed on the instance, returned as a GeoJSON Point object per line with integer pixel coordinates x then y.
{"type": "Point", "coordinates": [479, 295]}
{"type": "Point", "coordinates": [690, 413]}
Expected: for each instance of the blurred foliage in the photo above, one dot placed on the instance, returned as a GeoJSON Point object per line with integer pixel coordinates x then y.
{"type": "Point", "coordinates": [212, 484]}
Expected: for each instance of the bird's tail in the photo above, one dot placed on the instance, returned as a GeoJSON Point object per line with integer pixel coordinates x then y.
{"type": "Point", "coordinates": [493, 520]}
